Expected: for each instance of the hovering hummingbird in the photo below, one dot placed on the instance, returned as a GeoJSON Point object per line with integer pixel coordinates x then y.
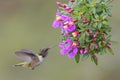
{"type": "Point", "coordinates": [31, 60]}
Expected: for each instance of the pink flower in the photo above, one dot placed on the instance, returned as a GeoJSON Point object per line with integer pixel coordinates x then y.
{"type": "Point", "coordinates": [75, 33]}
{"type": "Point", "coordinates": [69, 47]}
{"type": "Point", "coordinates": [58, 21]}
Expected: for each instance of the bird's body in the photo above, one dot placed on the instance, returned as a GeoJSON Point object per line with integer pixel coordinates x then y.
{"type": "Point", "coordinates": [32, 64]}
{"type": "Point", "coordinates": [31, 60]}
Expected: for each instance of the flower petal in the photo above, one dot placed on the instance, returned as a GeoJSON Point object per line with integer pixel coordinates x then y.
{"type": "Point", "coordinates": [63, 51]}
{"type": "Point", "coordinates": [81, 51]}
{"type": "Point", "coordinates": [72, 54]}
{"type": "Point", "coordinates": [58, 12]}
{"type": "Point", "coordinates": [69, 48]}
{"type": "Point", "coordinates": [66, 18]}
{"type": "Point", "coordinates": [69, 41]}
{"type": "Point", "coordinates": [75, 50]}
{"type": "Point", "coordinates": [57, 24]}
{"type": "Point", "coordinates": [61, 44]}
{"type": "Point", "coordinates": [71, 28]}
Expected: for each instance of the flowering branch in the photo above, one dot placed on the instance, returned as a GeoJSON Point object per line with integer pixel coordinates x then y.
{"type": "Point", "coordinates": [84, 27]}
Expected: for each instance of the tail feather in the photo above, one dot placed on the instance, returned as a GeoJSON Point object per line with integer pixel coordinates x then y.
{"type": "Point", "coordinates": [23, 64]}
{"type": "Point", "coordinates": [18, 65]}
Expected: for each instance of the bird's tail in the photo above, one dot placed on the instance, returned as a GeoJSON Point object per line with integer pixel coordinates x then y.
{"type": "Point", "coordinates": [23, 64]}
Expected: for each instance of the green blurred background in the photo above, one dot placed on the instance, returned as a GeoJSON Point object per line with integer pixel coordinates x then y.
{"type": "Point", "coordinates": [27, 24]}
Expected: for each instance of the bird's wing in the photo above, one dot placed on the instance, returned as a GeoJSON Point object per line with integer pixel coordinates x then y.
{"type": "Point", "coordinates": [26, 55]}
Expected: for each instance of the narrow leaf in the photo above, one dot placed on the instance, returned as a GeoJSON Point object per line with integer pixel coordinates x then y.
{"type": "Point", "coordinates": [77, 58]}
{"type": "Point", "coordinates": [114, 42]}
{"type": "Point", "coordinates": [85, 56]}
{"type": "Point", "coordinates": [99, 26]}
{"type": "Point", "coordinates": [82, 36]}
{"type": "Point", "coordinates": [110, 51]}
{"type": "Point", "coordinates": [94, 60]}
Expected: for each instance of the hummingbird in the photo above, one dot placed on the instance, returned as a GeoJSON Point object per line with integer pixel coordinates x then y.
{"type": "Point", "coordinates": [31, 60]}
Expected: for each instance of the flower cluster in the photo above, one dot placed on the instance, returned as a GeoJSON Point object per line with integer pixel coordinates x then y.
{"type": "Point", "coordinates": [65, 22]}
{"type": "Point", "coordinates": [84, 28]}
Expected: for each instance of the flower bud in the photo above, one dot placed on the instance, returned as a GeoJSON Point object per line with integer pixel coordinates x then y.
{"type": "Point", "coordinates": [87, 33]}
{"type": "Point", "coordinates": [81, 51]}
{"type": "Point", "coordinates": [75, 43]}
{"type": "Point", "coordinates": [58, 18]}
{"type": "Point", "coordinates": [90, 31]}
{"type": "Point", "coordinates": [96, 46]}
{"type": "Point", "coordinates": [86, 51]}
{"type": "Point", "coordinates": [72, 0]}
{"type": "Point", "coordinates": [84, 21]}
{"type": "Point", "coordinates": [59, 4]}
{"type": "Point", "coordinates": [95, 57]}
{"type": "Point", "coordinates": [68, 9]}
{"type": "Point", "coordinates": [95, 35]}
{"type": "Point", "coordinates": [75, 34]}
{"type": "Point", "coordinates": [109, 43]}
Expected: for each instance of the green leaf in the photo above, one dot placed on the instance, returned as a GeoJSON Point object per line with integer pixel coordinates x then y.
{"type": "Point", "coordinates": [94, 60]}
{"type": "Point", "coordinates": [77, 58]}
{"type": "Point", "coordinates": [76, 13]}
{"type": "Point", "coordinates": [99, 26]}
{"type": "Point", "coordinates": [96, 16]}
{"type": "Point", "coordinates": [93, 10]}
{"type": "Point", "coordinates": [85, 56]}
{"type": "Point", "coordinates": [92, 47]}
{"type": "Point", "coordinates": [110, 51]}
{"type": "Point", "coordinates": [110, 14]}
{"type": "Point", "coordinates": [99, 44]}
{"type": "Point", "coordinates": [114, 42]}
{"type": "Point", "coordinates": [82, 36]}
{"type": "Point", "coordinates": [102, 51]}
{"type": "Point", "coordinates": [83, 9]}
{"type": "Point", "coordinates": [105, 23]}
{"type": "Point", "coordinates": [87, 17]}
{"type": "Point", "coordinates": [70, 3]}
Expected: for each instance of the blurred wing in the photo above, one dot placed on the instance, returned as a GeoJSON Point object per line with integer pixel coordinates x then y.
{"type": "Point", "coordinates": [26, 55]}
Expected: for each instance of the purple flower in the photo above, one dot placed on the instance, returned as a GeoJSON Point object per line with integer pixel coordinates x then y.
{"type": "Point", "coordinates": [66, 18]}
{"type": "Point", "coordinates": [65, 43]}
{"type": "Point", "coordinates": [69, 47]}
{"type": "Point", "coordinates": [69, 26]}
{"type": "Point", "coordinates": [65, 22]}
{"type": "Point", "coordinates": [69, 23]}
{"type": "Point", "coordinates": [58, 21]}
{"type": "Point", "coordinates": [73, 53]}
{"type": "Point", "coordinates": [57, 24]}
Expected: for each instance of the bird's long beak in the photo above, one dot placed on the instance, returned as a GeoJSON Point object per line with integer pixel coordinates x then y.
{"type": "Point", "coordinates": [53, 46]}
